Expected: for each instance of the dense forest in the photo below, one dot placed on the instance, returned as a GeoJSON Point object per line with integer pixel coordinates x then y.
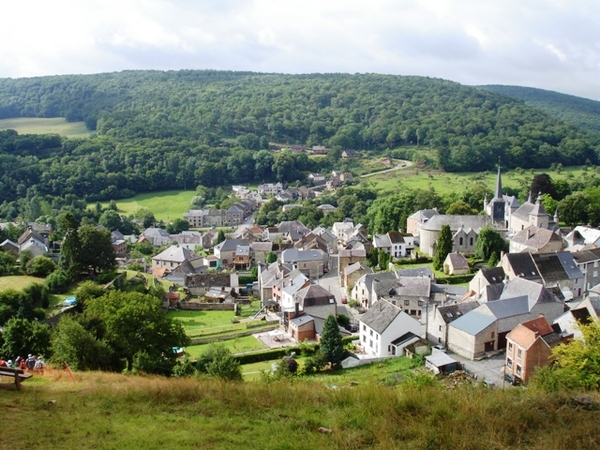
{"type": "Point", "coordinates": [177, 130]}
{"type": "Point", "coordinates": [580, 112]}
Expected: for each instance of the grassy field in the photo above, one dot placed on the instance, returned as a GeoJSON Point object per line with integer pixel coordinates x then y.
{"type": "Point", "coordinates": [236, 345]}
{"type": "Point", "coordinates": [444, 183]}
{"type": "Point", "coordinates": [56, 125]}
{"type": "Point", "coordinates": [17, 282]}
{"type": "Point", "coordinates": [165, 205]}
{"type": "Point", "coordinates": [114, 411]}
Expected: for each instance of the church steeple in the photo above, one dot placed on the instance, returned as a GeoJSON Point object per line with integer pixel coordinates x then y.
{"type": "Point", "coordinates": [498, 193]}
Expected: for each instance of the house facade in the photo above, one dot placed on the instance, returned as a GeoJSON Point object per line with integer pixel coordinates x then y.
{"type": "Point", "coordinates": [383, 324]}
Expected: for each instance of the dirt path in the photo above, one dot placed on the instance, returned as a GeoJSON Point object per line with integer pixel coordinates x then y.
{"type": "Point", "coordinates": [402, 164]}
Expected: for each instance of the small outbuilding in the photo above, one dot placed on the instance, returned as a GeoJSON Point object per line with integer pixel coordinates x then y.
{"type": "Point", "coordinates": [440, 362]}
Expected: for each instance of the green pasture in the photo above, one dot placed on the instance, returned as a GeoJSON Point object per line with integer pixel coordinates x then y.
{"type": "Point", "coordinates": [165, 205]}
{"type": "Point", "coordinates": [56, 125]}
{"type": "Point", "coordinates": [236, 345]}
{"type": "Point", "coordinates": [446, 182]}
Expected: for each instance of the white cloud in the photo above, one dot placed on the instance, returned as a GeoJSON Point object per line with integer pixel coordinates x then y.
{"type": "Point", "coordinates": [541, 43]}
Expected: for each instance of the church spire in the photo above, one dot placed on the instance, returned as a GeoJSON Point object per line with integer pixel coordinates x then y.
{"type": "Point", "coordinates": [498, 184]}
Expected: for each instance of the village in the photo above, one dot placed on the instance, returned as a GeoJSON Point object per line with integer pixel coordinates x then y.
{"type": "Point", "coordinates": [498, 323]}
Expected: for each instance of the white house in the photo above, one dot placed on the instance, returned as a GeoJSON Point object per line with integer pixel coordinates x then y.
{"type": "Point", "coordinates": [383, 327]}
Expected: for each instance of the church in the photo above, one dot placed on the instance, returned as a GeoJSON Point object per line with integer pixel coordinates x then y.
{"type": "Point", "coordinates": [507, 212]}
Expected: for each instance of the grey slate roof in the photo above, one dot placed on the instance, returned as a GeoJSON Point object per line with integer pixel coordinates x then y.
{"type": "Point", "coordinates": [380, 315]}
{"type": "Point", "coordinates": [568, 263]}
{"type": "Point", "coordinates": [476, 222]}
{"type": "Point", "coordinates": [584, 256]}
{"type": "Point", "coordinates": [415, 272]}
{"type": "Point", "coordinates": [452, 312]}
{"type": "Point", "coordinates": [523, 265]}
{"type": "Point", "coordinates": [230, 245]}
{"type": "Point", "coordinates": [473, 322]}
{"type": "Point", "coordinates": [494, 275]}
{"type": "Point", "coordinates": [549, 267]}
{"type": "Point", "coordinates": [534, 291]}
{"type": "Point", "coordinates": [314, 295]}
{"type": "Point", "coordinates": [509, 307]}
{"type": "Point", "coordinates": [535, 237]}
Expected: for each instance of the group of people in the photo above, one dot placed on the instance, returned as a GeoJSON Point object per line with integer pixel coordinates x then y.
{"type": "Point", "coordinates": [31, 363]}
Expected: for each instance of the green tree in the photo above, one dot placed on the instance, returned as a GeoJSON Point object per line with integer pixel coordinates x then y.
{"type": "Point", "coordinates": [383, 259]}
{"type": "Point", "coordinates": [40, 266]}
{"type": "Point", "coordinates": [271, 257]}
{"type": "Point", "coordinates": [38, 293]}
{"type": "Point", "coordinates": [576, 209]}
{"type": "Point", "coordinates": [443, 247]}
{"type": "Point", "coordinates": [57, 282]}
{"type": "Point", "coordinates": [576, 364]}
{"type": "Point", "coordinates": [220, 236]}
{"type": "Point", "coordinates": [218, 361]}
{"type": "Point", "coordinates": [461, 207]}
{"type": "Point", "coordinates": [22, 336]}
{"type": "Point", "coordinates": [135, 322]}
{"type": "Point", "coordinates": [331, 341]}
{"type": "Point", "coordinates": [97, 253]}
{"type": "Point", "coordinates": [8, 263]}
{"type": "Point", "coordinates": [79, 348]}
{"type": "Point", "coordinates": [489, 242]}
{"type": "Point", "coordinates": [177, 226]}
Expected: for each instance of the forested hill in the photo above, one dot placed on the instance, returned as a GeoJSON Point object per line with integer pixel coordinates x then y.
{"type": "Point", "coordinates": [578, 111]}
{"type": "Point", "coordinates": [173, 130]}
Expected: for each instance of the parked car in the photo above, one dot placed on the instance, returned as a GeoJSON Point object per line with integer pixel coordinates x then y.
{"type": "Point", "coordinates": [352, 327]}
{"type": "Point", "coordinates": [344, 300]}
{"type": "Point", "coordinates": [515, 381]}
{"type": "Point", "coordinates": [439, 348]}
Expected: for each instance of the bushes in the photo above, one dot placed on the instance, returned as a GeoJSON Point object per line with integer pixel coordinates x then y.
{"type": "Point", "coordinates": [58, 282]}
{"type": "Point", "coordinates": [40, 266]}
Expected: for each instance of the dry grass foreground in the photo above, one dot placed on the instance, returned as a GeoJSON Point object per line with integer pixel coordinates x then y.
{"type": "Point", "coordinates": [112, 411]}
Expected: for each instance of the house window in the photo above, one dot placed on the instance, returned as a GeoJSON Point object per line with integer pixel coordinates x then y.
{"type": "Point", "coordinates": [519, 353]}
{"type": "Point", "coordinates": [510, 346]}
{"type": "Point", "coordinates": [371, 332]}
{"type": "Point", "coordinates": [519, 370]}
{"type": "Point", "coordinates": [420, 303]}
{"type": "Point", "coordinates": [364, 338]}
{"type": "Point", "coordinates": [460, 241]}
{"type": "Point", "coordinates": [439, 340]}
{"type": "Point", "coordinates": [406, 302]}
{"type": "Point", "coordinates": [364, 327]}
{"type": "Point", "coordinates": [376, 337]}
{"type": "Point", "coordinates": [413, 312]}
{"type": "Point", "coordinates": [509, 363]}
{"type": "Point", "coordinates": [493, 335]}
{"type": "Point", "coordinates": [439, 328]}
{"type": "Point", "coordinates": [471, 241]}
{"type": "Point", "coordinates": [371, 343]}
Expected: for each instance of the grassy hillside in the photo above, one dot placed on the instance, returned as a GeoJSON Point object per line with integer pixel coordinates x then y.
{"type": "Point", "coordinates": [580, 112]}
{"type": "Point", "coordinates": [165, 205]}
{"type": "Point", "coordinates": [111, 411]}
{"type": "Point", "coordinates": [35, 125]}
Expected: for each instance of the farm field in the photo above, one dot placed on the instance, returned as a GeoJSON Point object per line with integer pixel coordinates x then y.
{"type": "Point", "coordinates": [165, 205]}
{"type": "Point", "coordinates": [56, 125]}
{"type": "Point", "coordinates": [445, 182]}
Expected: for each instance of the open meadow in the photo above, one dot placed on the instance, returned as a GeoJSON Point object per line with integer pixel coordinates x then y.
{"type": "Point", "coordinates": [55, 125]}
{"type": "Point", "coordinates": [115, 411]}
{"type": "Point", "coordinates": [446, 182]}
{"type": "Point", "coordinates": [165, 205]}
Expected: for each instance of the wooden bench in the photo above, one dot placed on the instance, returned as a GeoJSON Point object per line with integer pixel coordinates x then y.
{"type": "Point", "coordinates": [17, 374]}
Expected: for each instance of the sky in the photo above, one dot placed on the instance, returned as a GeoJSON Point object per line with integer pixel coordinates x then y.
{"type": "Point", "coordinates": [548, 44]}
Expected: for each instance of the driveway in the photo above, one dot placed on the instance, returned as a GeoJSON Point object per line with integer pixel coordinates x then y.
{"type": "Point", "coordinates": [490, 369]}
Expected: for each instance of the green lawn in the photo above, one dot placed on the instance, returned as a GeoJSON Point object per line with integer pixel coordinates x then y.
{"type": "Point", "coordinates": [237, 345]}
{"type": "Point", "coordinates": [165, 205]}
{"type": "Point", "coordinates": [56, 125]}
{"type": "Point", "coordinates": [202, 323]}
{"type": "Point", "coordinates": [17, 282]}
